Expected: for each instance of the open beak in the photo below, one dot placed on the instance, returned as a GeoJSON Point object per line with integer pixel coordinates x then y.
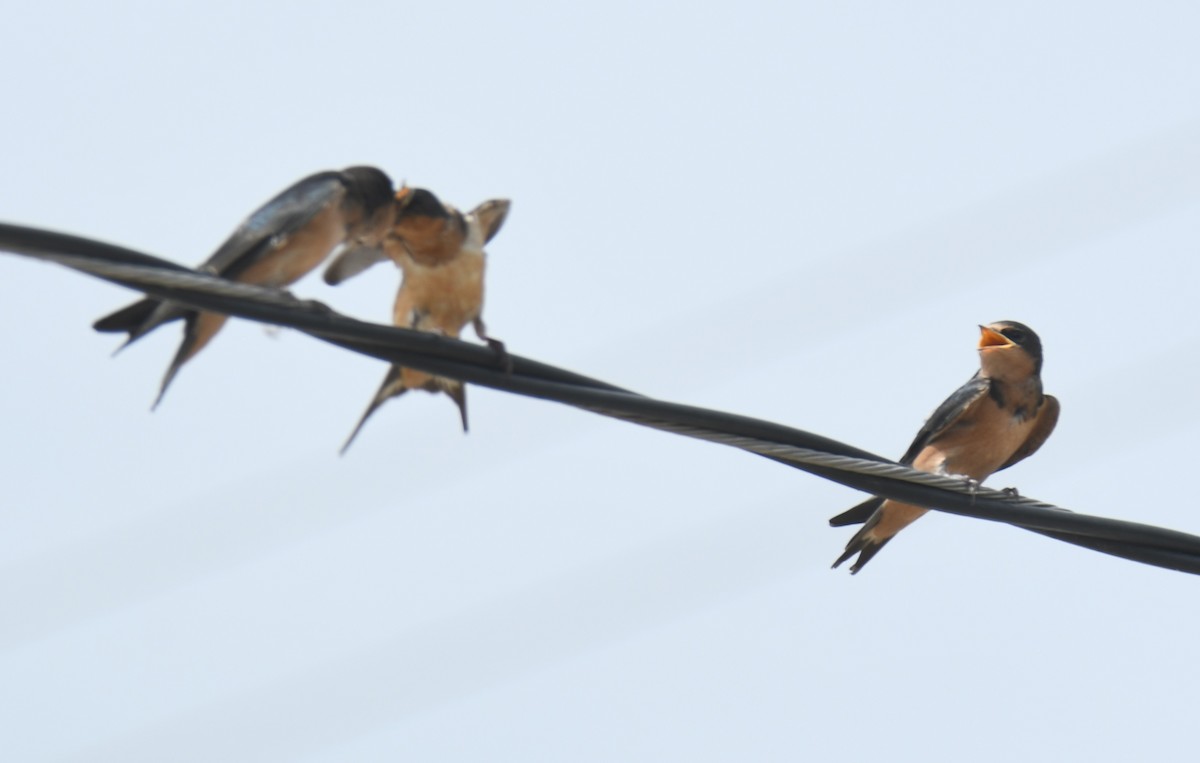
{"type": "Point", "coordinates": [403, 197]}
{"type": "Point", "coordinates": [992, 338]}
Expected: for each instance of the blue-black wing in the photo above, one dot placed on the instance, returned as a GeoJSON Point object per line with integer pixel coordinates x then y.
{"type": "Point", "coordinates": [1047, 417]}
{"type": "Point", "coordinates": [283, 215]}
{"type": "Point", "coordinates": [352, 261]}
{"type": "Point", "coordinates": [946, 415]}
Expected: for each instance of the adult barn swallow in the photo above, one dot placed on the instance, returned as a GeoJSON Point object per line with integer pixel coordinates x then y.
{"type": "Point", "coordinates": [440, 252]}
{"type": "Point", "coordinates": [279, 244]}
{"type": "Point", "coordinates": [993, 421]}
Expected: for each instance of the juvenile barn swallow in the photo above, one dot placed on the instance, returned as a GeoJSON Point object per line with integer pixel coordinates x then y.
{"type": "Point", "coordinates": [279, 244]}
{"type": "Point", "coordinates": [439, 250]}
{"type": "Point", "coordinates": [993, 421]}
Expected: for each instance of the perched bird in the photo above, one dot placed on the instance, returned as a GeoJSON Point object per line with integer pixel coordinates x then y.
{"type": "Point", "coordinates": [440, 252]}
{"type": "Point", "coordinates": [993, 421]}
{"type": "Point", "coordinates": [279, 244]}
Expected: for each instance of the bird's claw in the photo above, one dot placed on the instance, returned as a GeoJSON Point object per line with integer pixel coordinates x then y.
{"type": "Point", "coordinates": [505, 360]}
{"type": "Point", "coordinates": [316, 306]}
{"type": "Point", "coordinates": [971, 483]}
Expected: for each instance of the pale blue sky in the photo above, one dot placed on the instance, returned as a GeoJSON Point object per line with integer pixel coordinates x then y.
{"type": "Point", "coordinates": [798, 212]}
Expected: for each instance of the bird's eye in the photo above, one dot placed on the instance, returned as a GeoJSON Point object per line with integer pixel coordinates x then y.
{"type": "Point", "coordinates": [1017, 335]}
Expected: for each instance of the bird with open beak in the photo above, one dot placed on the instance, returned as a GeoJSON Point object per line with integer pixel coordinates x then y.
{"type": "Point", "coordinates": [283, 241]}
{"type": "Point", "coordinates": [439, 251]}
{"type": "Point", "coordinates": [993, 421]}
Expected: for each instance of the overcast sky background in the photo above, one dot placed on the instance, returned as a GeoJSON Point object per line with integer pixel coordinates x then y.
{"type": "Point", "coordinates": [797, 212]}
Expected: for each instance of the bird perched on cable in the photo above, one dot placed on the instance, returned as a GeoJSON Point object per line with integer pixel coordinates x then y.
{"type": "Point", "coordinates": [993, 421]}
{"type": "Point", "coordinates": [276, 246]}
{"type": "Point", "coordinates": [439, 250]}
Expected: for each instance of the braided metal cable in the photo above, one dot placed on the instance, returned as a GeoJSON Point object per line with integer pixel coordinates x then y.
{"type": "Point", "coordinates": [813, 453]}
{"type": "Point", "coordinates": [850, 464]}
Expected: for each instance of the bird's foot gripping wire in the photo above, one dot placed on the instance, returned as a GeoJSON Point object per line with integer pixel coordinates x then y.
{"type": "Point", "coordinates": [971, 484]}
{"type": "Point", "coordinates": [502, 357]}
{"type": "Point", "coordinates": [316, 306]}
{"type": "Point", "coordinates": [1011, 492]}
{"type": "Point", "coordinates": [312, 305]}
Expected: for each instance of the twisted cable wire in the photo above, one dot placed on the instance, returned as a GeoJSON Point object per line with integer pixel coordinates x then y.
{"type": "Point", "coordinates": [813, 453]}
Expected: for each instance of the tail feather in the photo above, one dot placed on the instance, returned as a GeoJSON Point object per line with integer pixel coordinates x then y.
{"type": "Point", "coordinates": [858, 514]}
{"type": "Point", "coordinates": [389, 389]}
{"type": "Point", "coordinates": [458, 393]}
{"type": "Point", "coordinates": [128, 318]}
{"type": "Point", "coordinates": [187, 348]}
{"type": "Point", "coordinates": [168, 377]}
{"type": "Point", "coordinates": [199, 329]}
{"type": "Point", "coordinates": [140, 319]}
{"type": "Point", "coordinates": [864, 543]}
{"type": "Point", "coordinates": [394, 386]}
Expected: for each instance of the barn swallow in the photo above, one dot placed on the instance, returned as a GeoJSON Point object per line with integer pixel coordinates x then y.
{"type": "Point", "coordinates": [993, 421]}
{"type": "Point", "coordinates": [276, 246]}
{"type": "Point", "coordinates": [439, 250]}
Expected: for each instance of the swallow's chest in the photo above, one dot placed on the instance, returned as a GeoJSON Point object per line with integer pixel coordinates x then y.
{"type": "Point", "coordinates": [980, 442]}
{"type": "Point", "coordinates": [442, 298]}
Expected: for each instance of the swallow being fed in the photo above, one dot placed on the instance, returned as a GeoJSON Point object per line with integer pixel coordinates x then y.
{"type": "Point", "coordinates": [276, 246]}
{"type": "Point", "coordinates": [993, 421]}
{"type": "Point", "coordinates": [440, 252]}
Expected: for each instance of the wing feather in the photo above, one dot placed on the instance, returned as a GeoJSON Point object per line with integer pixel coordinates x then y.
{"type": "Point", "coordinates": [949, 412]}
{"type": "Point", "coordinates": [1047, 418]}
{"type": "Point", "coordinates": [274, 221]}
